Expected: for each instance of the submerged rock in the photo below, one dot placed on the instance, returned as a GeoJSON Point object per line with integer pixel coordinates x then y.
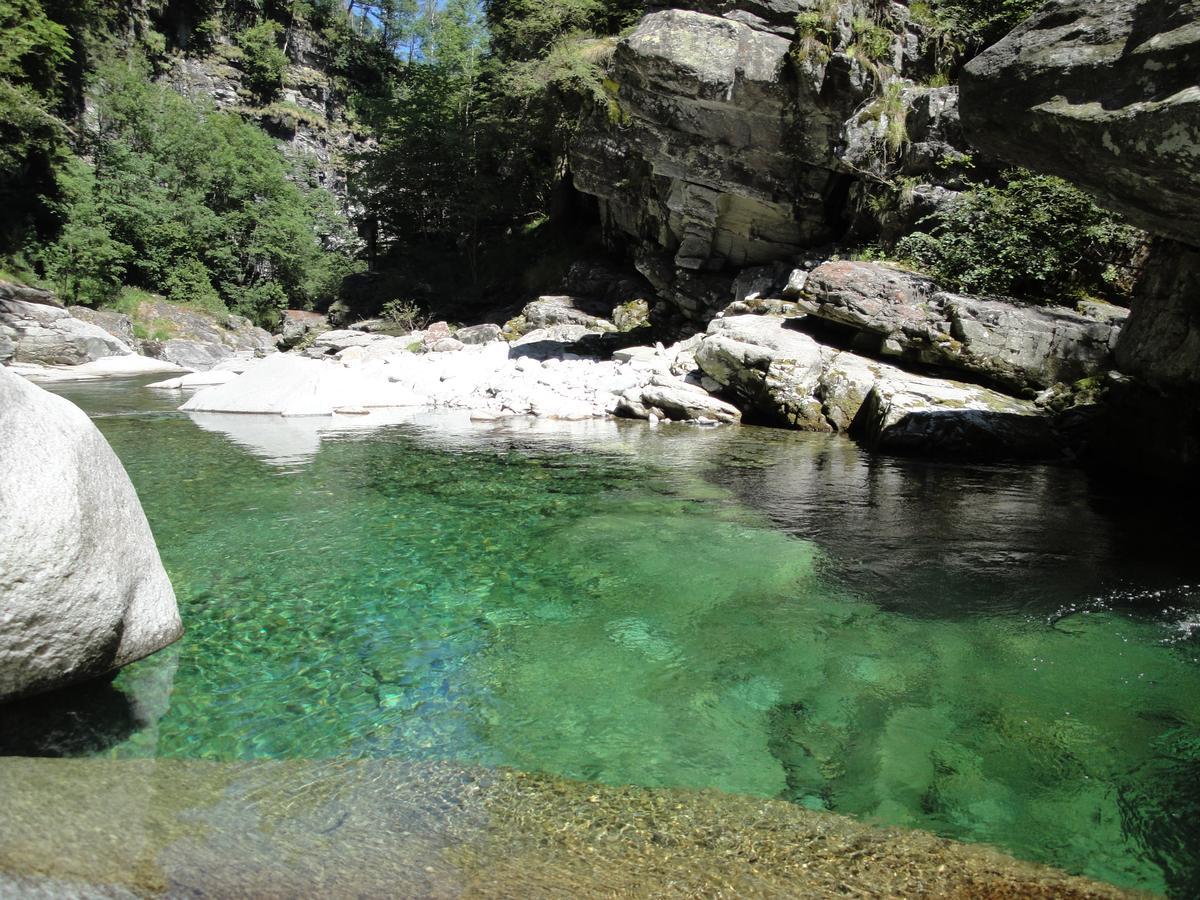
{"type": "Point", "coordinates": [387, 827]}
{"type": "Point", "coordinates": [82, 588]}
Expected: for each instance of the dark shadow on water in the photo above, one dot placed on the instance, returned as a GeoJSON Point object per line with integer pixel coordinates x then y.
{"type": "Point", "coordinates": [75, 721]}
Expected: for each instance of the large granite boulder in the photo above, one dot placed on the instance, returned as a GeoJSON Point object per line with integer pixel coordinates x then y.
{"type": "Point", "coordinates": [300, 326]}
{"type": "Point", "coordinates": [119, 325]}
{"type": "Point", "coordinates": [35, 329]}
{"type": "Point", "coordinates": [1013, 346]}
{"type": "Point", "coordinates": [1102, 94]}
{"type": "Point", "coordinates": [82, 588]}
{"type": "Point", "coordinates": [548, 311]}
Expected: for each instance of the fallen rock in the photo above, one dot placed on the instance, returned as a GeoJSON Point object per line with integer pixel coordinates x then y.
{"type": "Point", "coordinates": [299, 326]}
{"type": "Point", "coordinates": [82, 588]}
{"type": "Point", "coordinates": [479, 334]}
{"type": "Point", "coordinates": [772, 369]}
{"type": "Point", "coordinates": [688, 403]}
{"type": "Point", "coordinates": [1014, 346]}
{"type": "Point", "coordinates": [782, 376]}
{"type": "Point", "coordinates": [340, 339]}
{"type": "Point", "coordinates": [549, 311]}
{"type": "Point", "coordinates": [909, 414]}
{"type": "Point", "coordinates": [436, 332]}
{"type": "Point", "coordinates": [631, 314]}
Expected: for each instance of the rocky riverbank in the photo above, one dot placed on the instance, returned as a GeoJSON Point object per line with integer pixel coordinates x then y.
{"type": "Point", "coordinates": [860, 348]}
{"type": "Point", "coordinates": [42, 337]}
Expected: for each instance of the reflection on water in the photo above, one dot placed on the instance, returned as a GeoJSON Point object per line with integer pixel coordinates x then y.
{"type": "Point", "coordinates": [998, 654]}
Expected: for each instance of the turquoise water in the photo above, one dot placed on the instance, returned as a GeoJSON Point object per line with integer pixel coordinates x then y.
{"type": "Point", "coordinates": [998, 655]}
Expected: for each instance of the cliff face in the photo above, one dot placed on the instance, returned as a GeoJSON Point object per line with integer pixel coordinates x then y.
{"type": "Point", "coordinates": [734, 139]}
{"type": "Point", "coordinates": [307, 117]}
{"type": "Point", "coordinates": [1108, 95]}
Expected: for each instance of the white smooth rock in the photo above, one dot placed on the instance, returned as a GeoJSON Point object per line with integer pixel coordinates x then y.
{"type": "Point", "coordinates": [82, 588]}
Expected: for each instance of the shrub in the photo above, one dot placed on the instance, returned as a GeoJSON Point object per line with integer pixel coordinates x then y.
{"type": "Point", "coordinates": [1034, 235]}
{"type": "Point", "coordinates": [264, 62]}
{"type": "Point", "coordinates": [189, 283]}
{"type": "Point", "coordinates": [973, 22]}
{"type": "Point", "coordinates": [875, 41]}
{"type": "Point", "coordinates": [404, 314]}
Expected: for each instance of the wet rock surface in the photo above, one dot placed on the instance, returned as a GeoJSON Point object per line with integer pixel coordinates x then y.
{"type": "Point", "coordinates": [202, 829]}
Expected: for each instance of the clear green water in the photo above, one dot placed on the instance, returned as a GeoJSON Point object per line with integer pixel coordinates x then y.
{"type": "Point", "coordinates": [999, 655]}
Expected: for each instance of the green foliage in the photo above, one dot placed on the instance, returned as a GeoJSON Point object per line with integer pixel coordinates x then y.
{"type": "Point", "coordinates": [192, 203]}
{"type": "Point", "coordinates": [528, 29]}
{"type": "Point", "coordinates": [972, 23]}
{"type": "Point", "coordinates": [35, 53]}
{"type": "Point", "coordinates": [406, 315]}
{"type": "Point", "coordinates": [875, 41]}
{"type": "Point", "coordinates": [816, 32]}
{"type": "Point", "coordinates": [263, 59]}
{"type": "Point", "coordinates": [1034, 236]}
{"type": "Point", "coordinates": [892, 109]}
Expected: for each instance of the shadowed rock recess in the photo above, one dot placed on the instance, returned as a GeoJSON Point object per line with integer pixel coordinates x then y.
{"type": "Point", "coordinates": [1108, 96]}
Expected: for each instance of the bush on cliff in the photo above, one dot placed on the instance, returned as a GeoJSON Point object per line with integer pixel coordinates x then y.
{"type": "Point", "coordinates": [1033, 236]}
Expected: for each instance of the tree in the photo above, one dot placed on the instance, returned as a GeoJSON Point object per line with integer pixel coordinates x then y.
{"type": "Point", "coordinates": [197, 204]}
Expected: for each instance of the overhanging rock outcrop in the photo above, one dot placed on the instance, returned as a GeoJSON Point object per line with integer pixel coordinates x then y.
{"type": "Point", "coordinates": [720, 145]}
{"type": "Point", "coordinates": [1107, 95]}
{"type": "Point", "coordinates": [732, 138]}
{"type": "Point", "coordinates": [692, 153]}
